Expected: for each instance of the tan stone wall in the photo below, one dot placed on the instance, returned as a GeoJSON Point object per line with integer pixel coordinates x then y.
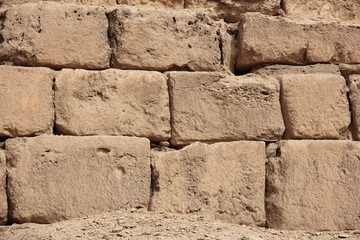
{"type": "Point", "coordinates": [243, 111]}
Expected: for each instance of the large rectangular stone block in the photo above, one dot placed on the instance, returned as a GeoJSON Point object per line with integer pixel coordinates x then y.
{"type": "Point", "coordinates": [164, 39]}
{"type": "Point", "coordinates": [3, 195]}
{"type": "Point", "coordinates": [315, 106]}
{"type": "Point", "coordinates": [296, 40]}
{"type": "Point", "coordinates": [90, 2]}
{"type": "Point", "coordinates": [340, 9]}
{"type": "Point", "coordinates": [314, 185]}
{"type": "Point", "coordinates": [232, 10]}
{"type": "Point", "coordinates": [355, 103]}
{"type": "Point", "coordinates": [56, 35]}
{"type": "Point", "coordinates": [225, 181]}
{"type": "Point", "coordinates": [52, 178]}
{"type": "Point", "coordinates": [112, 102]}
{"type": "Point", "coordinates": [26, 101]}
{"type": "Point", "coordinates": [213, 107]}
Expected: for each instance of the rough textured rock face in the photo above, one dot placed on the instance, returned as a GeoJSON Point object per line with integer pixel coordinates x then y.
{"type": "Point", "coordinates": [355, 103]}
{"type": "Point", "coordinates": [279, 70]}
{"type": "Point", "coordinates": [175, 40]}
{"type": "Point", "coordinates": [53, 178]}
{"type": "Point", "coordinates": [216, 107]}
{"type": "Point", "coordinates": [155, 3]}
{"type": "Point", "coordinates": [56, 35]}
{"type": "Point", "coordinates": [3, 196]}
{"type": "Point", "coordinates": [231, 10]}
{"type": "Point", "coordinates": [224, 181]}
{"type": "Point", "coordinates": [90, 2]}
{"type": "Point", "coordinates": [315, 106]}
{"type": "Point", "coordinates": [341, 9]}
{"type": "Point", "coordinates": [112, 102]}
{"type": "Point", "coordinates": [295, 40]}
{"type": "Point", "coordinates": [26, 101]}
{"type": "Point", "coordinates": [349, 69]}
{"type": "Point", "coordinates": [314, 185]}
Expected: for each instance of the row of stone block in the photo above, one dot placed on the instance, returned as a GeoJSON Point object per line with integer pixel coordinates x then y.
{"type": "Point", "coordinates": [231, 10]}
{"type": "Point", "coordinates": [309, 184]}
{"type": "Point", "coordinates": [79, 36]}
{"type": "Point", "coordinates": [182, 106]}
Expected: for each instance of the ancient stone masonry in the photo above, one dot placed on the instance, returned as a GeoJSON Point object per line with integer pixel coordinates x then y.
{"type": "Point", "coordinates": [242, 111]}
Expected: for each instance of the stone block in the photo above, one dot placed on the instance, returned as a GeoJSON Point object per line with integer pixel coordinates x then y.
{"type": "Point", "coordinates": [232, 10]}
{"type": "Point", "coordinates": [314, 185]}
{"type": "Point", "coordinates": [155, 3]}
{"type": "Point", "coordinates": [278, 70]}
{"type": "Point", "coordinates": [214, 107]}
{"type": "Point", "coordinates": [53, 178]}
{"type": "Point", "coordinates": [315, 106]}
{"type": "Point", "coordinates": [89, 2]}
{"type": "Point", "coordinates": [162, 39]}
{"type": "Point", "coordinates": [26, 101]}
{"type": "Point", "coordinates": [340, 9]}
{"type": "Point", "coordinates": [112, 102]}
{"type": "Point", "coordinates": [3, 195]}
{"type": "Point", "coordinates": [223, 181]}
{"type": "Point", "coordinates": [349, 69]}
{"type": "Point", "coordinates": [56, 35]}
{"type": "Point", "coordinates": [295, 40]}
{"type": "Point", "coordinates": [355, 103]}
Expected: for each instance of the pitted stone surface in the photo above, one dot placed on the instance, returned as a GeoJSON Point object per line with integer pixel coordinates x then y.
{"type": "Point", "coordinates": [26, 101]}
{"type": "Point", "coordinates": [175, 39]}
{"type": "Point", "coordinates": [314, 185]}
{"type": "Point", "coordinates": [341, 9]}
{"type": "Point", "coordinates": [278, 70]}
{"type": "Point", "coordinates": [315, 106]}
{"type": "Point", "coordinates": [56, 35]}
{"type": "Point", "coordinates": [355, 103]}
{"type": "Point", "coordinates": [52, 178]}
{"type": "Point", "coordinates": [223, 181]}
{"type": "Point", "coordinates": [213, 107]}
{"type": "Point", "coordinates": [112, 102]}
{"type": "Point", "coordinates": [155, 3]}
{"type": "Point", "coordinates": [296, 40]}
{"type": "Point", "coordinates": [90, 2]}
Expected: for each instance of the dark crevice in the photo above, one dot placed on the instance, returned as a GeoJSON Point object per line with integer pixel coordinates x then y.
{"type": "Point", "coordinates": [352, 126]}
{"type": "Point", "coordinates": [185, 4]}
{"type": "Point", "coordinates": [154, 184]}
{"type": "Point", "coordinates": [9, 204]}
{"type": "Point", "coordinates": [112, 35]}
{"type": "Point", "coordinates": [282, 5]}
{"type": "Point", "coordinates": [54, 129]}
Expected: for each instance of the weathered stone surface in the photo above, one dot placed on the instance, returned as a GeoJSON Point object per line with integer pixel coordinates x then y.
{"type": "Point", "coordinates": [52, 178]}
{"type": "Point", "coordinates": [3, 197]}
{"type": "Point", "coordinates": [26, 101]}
{"type": "Point", "coordinates": [216, 107]}
{"type": "Point", "coordinates": [340, 9]}
{"type": "Point", "coordinates": [164, 39]}
{"type": "Point", "coordinates": [223, 181]}
{"type": "Point", "coordinates": [56, 35]}
{"type": "Point", "coordinates": [314, 185]}
{"type": "Point", "coordinates": [295, 40]}
{"type": "Point", "coordinates": [155, 3]}
{"type": "Point", "coordinates": [112, 102]}
{"type": "Point", "coordinates": [278, 70]}
{"type": "Point", "coordinates": [90, 2]}
{"type": "Point", "coordinates": [232, 10]}
{"type": "Point", "coordinates": [355, 103]}
{"type": "Point", "coordinates": [349, 69]}
{"type": "Point", "coordinates": [315, 106]}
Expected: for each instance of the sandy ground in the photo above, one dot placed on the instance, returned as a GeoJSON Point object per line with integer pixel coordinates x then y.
{"type": "Point", "coordinates": [140, 224]}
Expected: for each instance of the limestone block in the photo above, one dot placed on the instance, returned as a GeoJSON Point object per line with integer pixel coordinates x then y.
{"type": "Point", "coordinates": [26, 101]}
{"type": "Point", "coordinates": [164, 39]}
{"type": "Point", "coordinates": [52, 178]}
{"type": "Point", "coordinates": [349, 69]}
{"type": "Point", "coordinates": [314, 185]}
{"type": "Point", "coordinates": [355, 103]}
{"type": "Point", "coordinates": [56, 35]}
{"type": "Point", "coordinates": [232, 10]}
{"type": "Point", "coordinates": [216, 107]}
{"type": "Point", "coordinates": [223, 181]}
{"type": "Point", "coordinates": [278, 70]}
{"type": "Point", "coordinates": [315, 106]}
{"type": "Point", "coordinates": [3, 197]}
{"type": "Point", "coordinates": [90, 2]}
{"type": "Point", "coordinates": [155, 3]}
{"type": "Point", "coordinates": [296, 40]}
{"type": "Point", "coordinates": [340, 9]}
{"type": "Point", "coordinates": [112, 102]}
